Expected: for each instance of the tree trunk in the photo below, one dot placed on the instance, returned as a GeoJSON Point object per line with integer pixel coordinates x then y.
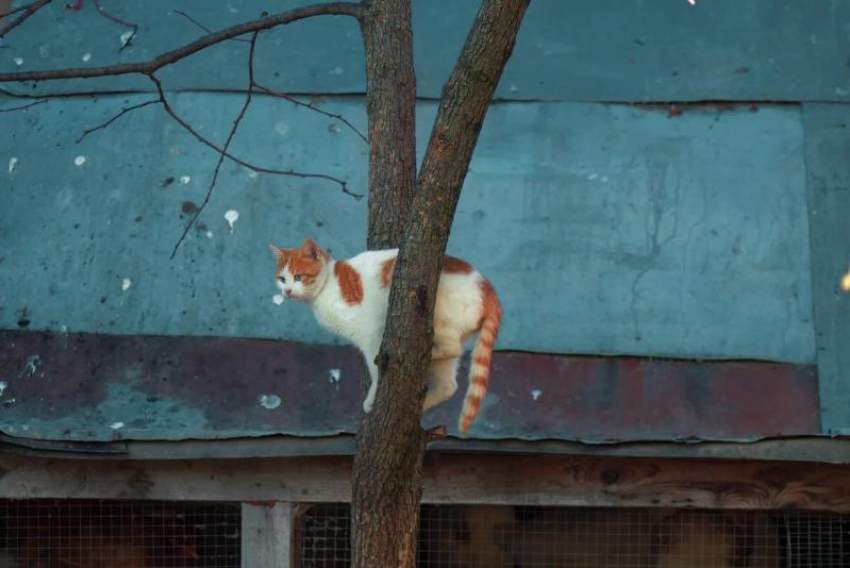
{"type": "Point", "coordinates": [387, 483]}
{"type": "Point", "coordinates": [385, 506]}
{"type": "Point", "coordinates": [391, 108]}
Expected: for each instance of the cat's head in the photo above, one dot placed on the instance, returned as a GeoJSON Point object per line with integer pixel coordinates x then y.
{"type": "Point", "coordinates": [300, 273]}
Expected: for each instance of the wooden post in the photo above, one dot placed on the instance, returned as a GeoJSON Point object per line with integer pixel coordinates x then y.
{"type": "Point", "coordinates": [267, 534]}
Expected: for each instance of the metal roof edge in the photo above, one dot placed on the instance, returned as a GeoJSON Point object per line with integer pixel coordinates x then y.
{"type": "Point", "coordinates": [814, 449]}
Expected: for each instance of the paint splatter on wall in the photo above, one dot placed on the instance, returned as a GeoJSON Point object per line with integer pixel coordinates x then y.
{"type": "Point", "coordinates": [269, 401]}
{"type": "Point", "coordinates": [231, 216]}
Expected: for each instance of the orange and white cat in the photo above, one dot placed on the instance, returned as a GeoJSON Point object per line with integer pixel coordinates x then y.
{"type": "Point", "coordinates": [349, 298]}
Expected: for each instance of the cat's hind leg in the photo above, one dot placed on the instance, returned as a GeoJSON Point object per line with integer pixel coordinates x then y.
{"type": "Point", "coordinates": [447, 343]}
{"type": "Point", "coordinates": [370, 355]}
{"type": "Point", "coordinates": [443, 381]}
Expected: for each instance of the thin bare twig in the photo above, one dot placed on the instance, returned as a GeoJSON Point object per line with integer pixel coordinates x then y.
{"type": "Point", "coordinates": [23, 107]}
{"type": "Point", "coordinates": [13, 11]}
{"type": "Point", "coordinates": [230, 136]}
{"type": "Point", "coordinates": [26, 13]}
{"type": "Point", "coordinates": [353, 9]}
{"type": "Point", "coordinates": [203, 27]}
{"type": "Point", "coordinates": [259, 169]}
{"type": "Point", "coordinates": [312, 106]}
{"type": "Point", "coordinates": [149, 68]}
{"type": "Point", "coordinates": [113, 17]}
{"type": "Point", "coordinates": [125, 43]}
{"type": "Point", "coordinates": [124, 111]}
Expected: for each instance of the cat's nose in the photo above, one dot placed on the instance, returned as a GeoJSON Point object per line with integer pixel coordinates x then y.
{"type": "Point", "coordinates": [288, 292]}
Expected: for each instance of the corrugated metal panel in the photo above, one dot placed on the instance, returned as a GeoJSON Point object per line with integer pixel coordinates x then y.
{"type": "Point", "coordinates": [92, 388]}
{"type": "Point", "coordinates": [631, 50]}
{"type": "Point", "coordinates": [606, 229]}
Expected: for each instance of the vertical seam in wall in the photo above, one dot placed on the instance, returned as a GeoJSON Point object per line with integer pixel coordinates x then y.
{"type": "Point", "coordinates": [812, 276]}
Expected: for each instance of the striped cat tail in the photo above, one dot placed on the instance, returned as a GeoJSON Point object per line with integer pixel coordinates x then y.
{"type": "Point", "coordinates": [479, 366]}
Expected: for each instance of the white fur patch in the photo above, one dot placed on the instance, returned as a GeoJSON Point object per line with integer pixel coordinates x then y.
{"type": "Point", "coordinates": [456, 315]}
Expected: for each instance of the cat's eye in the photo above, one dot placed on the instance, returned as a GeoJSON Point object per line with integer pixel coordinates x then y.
{"type": "Point", "coordinates": [297, 278]}
{"type": "Point", "coordinates": [282, 279]}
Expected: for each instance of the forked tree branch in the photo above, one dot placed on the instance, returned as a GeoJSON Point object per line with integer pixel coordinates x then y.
{"type": "Point", "coordinates": [25, 14]}
{"type": "Point", "coordinates": [206, 142]}
{"type": "Point", "coordinates": [161, 99]}
{"type": "Point", "coordinates": [149, 67]}
{"type": "Point", "coordinates": [390, 440]}
{"type": "Point", "coordinates": [279, 94]}
{"type": "Point", "coordinates": [125, 110]}
{"type": "Point", "coordinates": [310, 106]}
{"type": "Point", "coordinates": [230, 136]}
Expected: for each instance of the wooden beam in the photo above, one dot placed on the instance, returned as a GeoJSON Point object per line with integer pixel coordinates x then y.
{"type": "Point", "coordinates": [267, 534]}
{"type": "Point", "coordinates": [449, 478]}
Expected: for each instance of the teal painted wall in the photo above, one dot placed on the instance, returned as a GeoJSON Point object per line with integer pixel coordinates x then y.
{"type": "Point", "coordinates": [615, 230]}
{"type": "Point", "coordinates": [607, 227]}
{"type": "Point", "coordinates": [587, 50]}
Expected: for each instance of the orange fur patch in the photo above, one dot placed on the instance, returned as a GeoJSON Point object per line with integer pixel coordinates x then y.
{"type": "Point", "coordinates": [350, 284]}
{"type": "Point", "coordinates": [452, 265]}
{"type": "Point", "coordinates": [387, 270]}
{"type": "Point", "coordinates": [305, 266]}
{"type": "Point", "coordinates": [483, 360]}
{"type": "Point", "coordinates": [490, 305]}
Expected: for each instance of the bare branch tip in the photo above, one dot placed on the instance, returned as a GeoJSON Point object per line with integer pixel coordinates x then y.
{"type": "Point", "coordinates": [26, 12]}
{"type": "Point", "coordinates": [24, 107]}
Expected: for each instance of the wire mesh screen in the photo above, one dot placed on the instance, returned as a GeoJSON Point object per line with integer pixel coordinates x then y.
{"type": "Point", "coordinates": [461, 536]}
{"type": "Point", "coordinates": [118, 534]}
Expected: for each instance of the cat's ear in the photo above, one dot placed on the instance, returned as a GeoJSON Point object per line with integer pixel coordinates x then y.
{"type": "Point", "coordinates": [278, 252]}
{"type": "Point", "coordinates": [312, 250]}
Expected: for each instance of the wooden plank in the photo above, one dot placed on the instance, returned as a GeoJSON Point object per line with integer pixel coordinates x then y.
{"type": "Point", "coordinates": [450, 478]}
{"type": "Point", "coordinates": [827, 135]}
{"type": "Point", "coordinates": [267, 535]}
{"type": "Point", "coordinates": [630, 482]}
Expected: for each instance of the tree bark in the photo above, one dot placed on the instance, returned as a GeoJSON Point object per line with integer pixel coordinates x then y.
{"type": "Point", "coordinates": [391, 108]}
{"type": "Point", "coordinates": [387, 483]}
{"type": "Point", "coordinates": [385, 507]}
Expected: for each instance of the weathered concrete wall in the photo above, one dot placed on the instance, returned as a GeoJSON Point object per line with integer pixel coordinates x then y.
{"type": "Point", "coordinates": [607, 228]}
{"type": "Point", "coordinates": [828, 166]}
{"type": "Point", "coordinates": [615, 230]}
{"type": "Point", "coordinates": [629, 50]}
